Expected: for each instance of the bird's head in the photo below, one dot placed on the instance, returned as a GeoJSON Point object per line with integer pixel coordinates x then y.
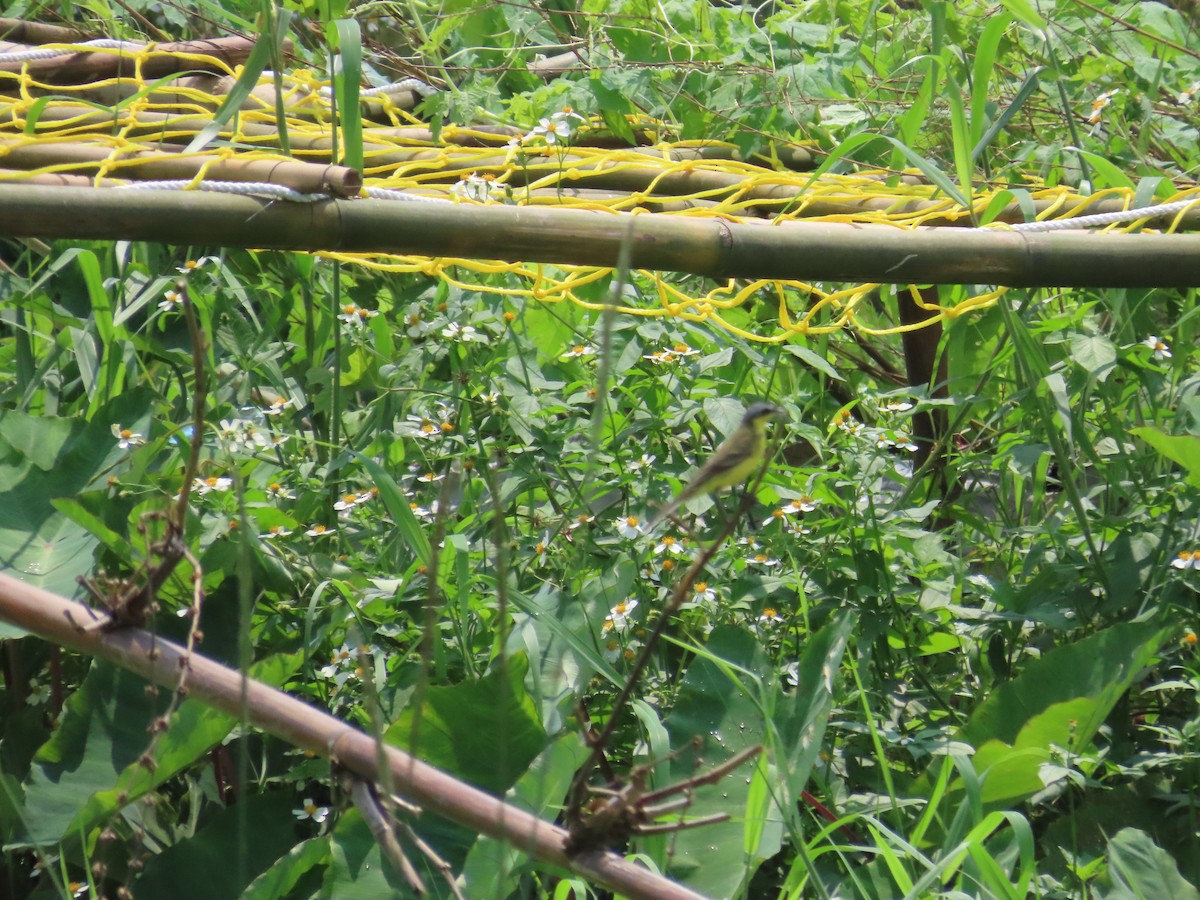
{"type": "Point", "coordinates": [759, 412]}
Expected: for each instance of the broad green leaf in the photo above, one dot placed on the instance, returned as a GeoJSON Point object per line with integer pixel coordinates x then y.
{"type": "Point", "coordinates": [88, 769]}
{"type": "Point", "coordinates": [281, 878]}
{"type": "Point", "coordinates": [715, 717]}
{"type": "Point", "coordinates": [231, 849]}
{"type": "Point", "coordinates": [1094, 353]}
{"type": "Point", "coordinates": [485, 731]}
{"type": "Point", "coordinates": [814, 359]}
{"type": "Point", "coordinates": [1183, 449]}
{"type": "Point", "coordinates": [540, 791]}
{"type": "Point", "coordinates": [1059, 700]}
{"type": "Point", "coordinates": [1139, 869]}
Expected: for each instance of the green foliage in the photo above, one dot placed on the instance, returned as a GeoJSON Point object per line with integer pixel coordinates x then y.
{"type": "Point", "coordinates": [417, 505]}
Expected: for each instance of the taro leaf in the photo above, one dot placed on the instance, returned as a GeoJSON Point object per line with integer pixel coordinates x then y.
{"type": "Point", "coordinates": [714, 717]}
{"type": "Point", "coordinates": [288, 870]}
{"type": "Point", "coordinates": [1180, 448]}
{"type": "Point", "coordinates": [1139, 869]}
{"type": "Point", "coordinates": [228, 851]}
{"type": "Point", "coordinates": [485, 731]}
{"type": "Point", "coordinates": [79, 773]}
{"type": "Point", "coordinates": [1060, 701]}
{"type": "Point", "coordinates": [42, 459]}
{"type": "Point", "coordinates": [802, 715]}
{"type": "Point", "coordinates": [357, 870]}
{"type": "Point", "coordinates": [539, 791]}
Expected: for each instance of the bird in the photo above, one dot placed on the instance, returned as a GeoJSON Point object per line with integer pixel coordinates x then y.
{"type": "Point", "coordinates": [736, 458]}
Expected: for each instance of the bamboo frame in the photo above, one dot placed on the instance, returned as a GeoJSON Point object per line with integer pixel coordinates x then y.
{"type": "Point", "coordinates": [804, 251]}
{"type": "Point", "coordinates": [408, 146]}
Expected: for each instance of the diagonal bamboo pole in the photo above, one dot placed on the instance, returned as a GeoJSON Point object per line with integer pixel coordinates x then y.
{"type": "Point", "coordinates": [715, 248]}
{"type": "Point", "coordinates": [54, 619]}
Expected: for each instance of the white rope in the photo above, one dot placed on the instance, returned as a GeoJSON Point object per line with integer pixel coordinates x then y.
{"type": "Point", "coordinates": [1124, 215]}
{"type": "Point", "coordinates": [376, 193]}
{"type": "Point", "coordinates": [408, 84]}
{"type": "Point", "coordinates": [275, 191]}
{"type": "Point", "coordinates": [102, 44]}
{"type": "Point", "coordinates": [248, 188]}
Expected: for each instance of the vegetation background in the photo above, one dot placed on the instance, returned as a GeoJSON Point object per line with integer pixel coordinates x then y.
{"type": "Point", "coordinates": [416, 504]}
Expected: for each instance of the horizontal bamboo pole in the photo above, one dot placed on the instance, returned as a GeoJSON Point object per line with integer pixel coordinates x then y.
{"type": "Point", "coordinates": [710, 247]}
{"type": "Point", "coordinates": [38, 33]}
{"type": "Point", "coordinates": [153, 165]}
{"type": "Point", "coordinates": [82, 66]}
{"type": "Point", "coordinates": [59, 621]}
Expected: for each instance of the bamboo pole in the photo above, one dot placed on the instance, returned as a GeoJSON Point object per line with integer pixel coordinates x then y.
{"type": "Point", "coordinates": [153, 165]}
{"type": "Point", "coordinates": [39, 33]}
{"type": "Point", "coordinates": [82, 66]}
{"type": "Point", "coordinates": [60, 622]}
{"type": "Point", "coordinates": [715, 248]}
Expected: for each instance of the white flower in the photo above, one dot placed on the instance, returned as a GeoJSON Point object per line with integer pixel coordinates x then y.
{"type": "Point", "coordinates": [421, 427]}
{"type": "Point", "coordinates": [310, 810]}
{"type": "Point", "coordinates": [618, 616]}
{"type": "Point", "coordinates": [170, 301]}
{"type": "Point", "coordinates": [355, 316]}
{"type": "Point", "coordinates": [193, 264]}
{"type": "Point", "coordinates": [670, 545]}
{"type": "Point", "coordinates": [662, 357]}
{"type": "Point", "coordinates": [1160, 347]}
{"type": "Point", "coordinates": [1186, 559]}
{"type": "Point", "coordinates": [126, 438]}
{"type": "Point", "coordinates": [630, 527]}
{"type": "Point", "coordinates": [643, 462]}
{"type": "Point", "coordinates": [465, 333]}
{"type": "Point", "coordinates": [579, 351]}
{"type": "Point", "coordinates": [213, 483]}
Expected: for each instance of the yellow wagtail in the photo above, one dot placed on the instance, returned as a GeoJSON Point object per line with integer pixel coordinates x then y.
{"type": "Point", "coordinates": [736, 458]}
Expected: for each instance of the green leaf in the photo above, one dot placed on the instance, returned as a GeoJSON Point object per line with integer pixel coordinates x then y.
{"type": "Point", "coordinates": [801, 716]}
{"type": "Point", "coordinates": [815, 360]}
{"type": "Point", "coordinates": [484, 731]}
{"type": "Point", "coordinates": [539, 791]}
{"type": "Point", "coordinates": [233, 847]}
{"type": "Point", "coordinates": [715, 717]}
{"type": "Point", "coordinates": [1059, 700]}
{"type": "Point", "coordinates": [1140, 869]}
{"type": "Point", "coordinates": [88, 769]}
{"type": "Point", "coordinates": [43, 459]}
{"type": "Point", "coordinates": [347, 75]}
{"type": "Point", "coordinates": [1183, 449]}
{"type": "Point", "coordinates": [1023, 11]}
{"type": "Point", "coordinates": [1094, 353]}
{"type": "Point", "coordinates": [394, 499]}
{"type": "Point", "coordinates": [281, 878]}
